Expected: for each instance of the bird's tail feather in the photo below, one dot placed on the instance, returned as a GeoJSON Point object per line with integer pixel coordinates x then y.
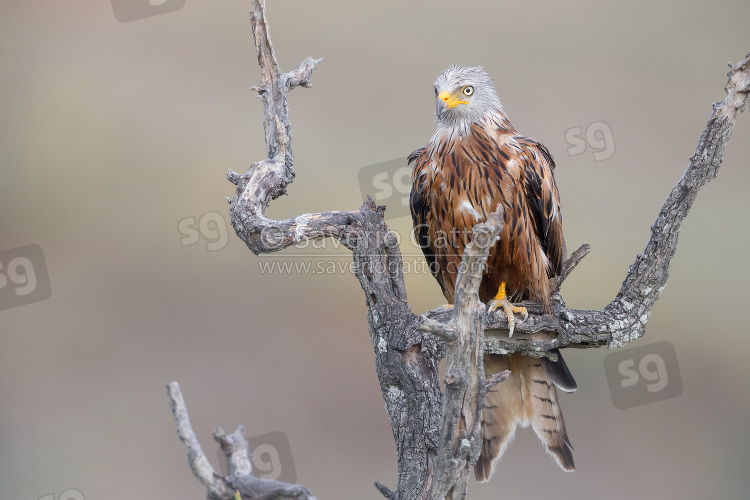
{"type": "Point", "coordinates": [527, 397]}
{"type": "Point", "coordinates": [558, 372]}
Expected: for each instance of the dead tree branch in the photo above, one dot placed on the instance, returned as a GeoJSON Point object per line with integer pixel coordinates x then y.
{"type": "Point", "coordinates": [430, 433]}
{"type": "Point", "coordinates": [199, 464]}
{"type": "Point", "coordinates": [239, 466]}
{"type": "Point", "coordinates": [465, 384]}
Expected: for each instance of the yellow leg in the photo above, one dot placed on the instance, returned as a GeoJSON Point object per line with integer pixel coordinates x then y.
{"type": "Point", "coordinates": [501, 300]}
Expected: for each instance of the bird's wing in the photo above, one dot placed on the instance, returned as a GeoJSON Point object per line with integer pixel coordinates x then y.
{"type": "Point", "coordinates": [420, 209]}
{"type": "Point", "coordinates": [543, 201]}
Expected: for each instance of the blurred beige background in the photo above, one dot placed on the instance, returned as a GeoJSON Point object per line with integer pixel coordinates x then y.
{"type": "Point", "coordinates": [112, 133]}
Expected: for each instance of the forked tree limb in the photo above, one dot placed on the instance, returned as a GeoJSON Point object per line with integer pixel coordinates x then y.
{"type": "Point", "coordinates": [239, 466]}
{"type": "Point", "coordinates": [425, 430]}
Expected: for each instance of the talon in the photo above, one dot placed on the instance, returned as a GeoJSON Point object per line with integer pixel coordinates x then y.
{"type": "Point", "coordinates": [501, 300]}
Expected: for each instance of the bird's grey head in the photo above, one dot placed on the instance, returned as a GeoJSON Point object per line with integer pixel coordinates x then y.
{"type": "Point", "coordinates": [463, 96]}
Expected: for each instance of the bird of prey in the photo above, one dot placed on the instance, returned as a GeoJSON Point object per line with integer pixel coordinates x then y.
{"type": "Point", "coordinates": [475, 161]}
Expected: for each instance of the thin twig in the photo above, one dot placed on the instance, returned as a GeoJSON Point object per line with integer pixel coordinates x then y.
{"type": "Point", "coordinates": [239, 466]}
{"type": "Point", "coordinates": [200, 466]}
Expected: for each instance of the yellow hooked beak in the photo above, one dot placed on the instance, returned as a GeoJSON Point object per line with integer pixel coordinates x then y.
{"type": "Point", "coordinates": [449, 101]}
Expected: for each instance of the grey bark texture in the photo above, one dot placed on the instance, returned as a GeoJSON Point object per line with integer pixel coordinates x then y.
{"type": "Point", "coordinates": [465, 383]}
{"type": "Point", "coordinates": [437, 437]}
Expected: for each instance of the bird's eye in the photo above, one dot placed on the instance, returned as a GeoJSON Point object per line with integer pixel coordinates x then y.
{"type": "Point", "coordinates": [468, 90]}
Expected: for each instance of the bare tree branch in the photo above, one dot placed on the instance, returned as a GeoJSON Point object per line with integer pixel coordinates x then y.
{"type": "Point", "coordinates": [465, 384]}
{"type": "Point", "coordinates": [239, 465]}
{"type": "Point", "coordinates": [239, 472]}
{"type": "Point", "coordinates": [431, 434]}
{"type": "Point", "coordinates": [215, 485]}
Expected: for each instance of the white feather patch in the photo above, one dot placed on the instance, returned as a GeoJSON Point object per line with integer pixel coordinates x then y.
{"type": "Point", "coordinates": [465, 206]}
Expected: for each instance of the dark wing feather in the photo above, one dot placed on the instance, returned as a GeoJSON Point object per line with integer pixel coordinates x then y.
{"type": "Point", "coordinates": [420, 211]}
{"type": "Point", "coordinates": [543, 201]}
{"type": "Point", "coordinates": [559, 373]}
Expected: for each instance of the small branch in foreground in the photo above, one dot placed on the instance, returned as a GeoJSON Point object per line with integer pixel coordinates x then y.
{"type": "Point", "coordinates": [465, 384]}
{"type": "Point", "coordinates": [383, 489]}
{"type": "Point", "coordinates": [239, 466]}
{"type": "Point", "coordinates": [217, 488]}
